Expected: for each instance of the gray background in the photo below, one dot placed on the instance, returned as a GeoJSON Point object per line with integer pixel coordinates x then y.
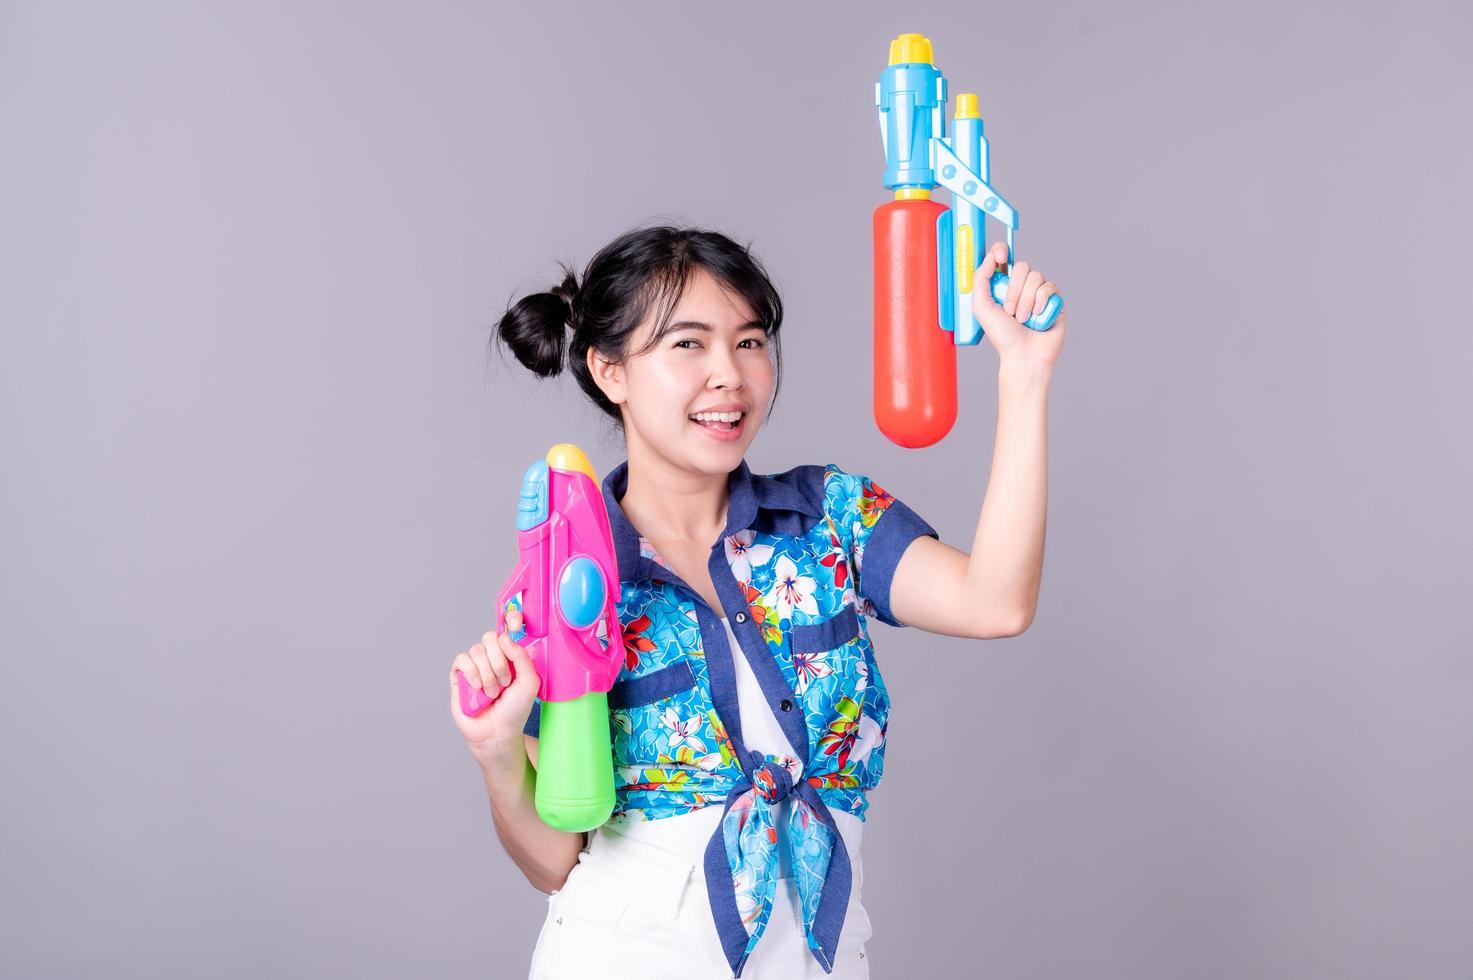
{"type": "Point", "coordinates": [259, 472]}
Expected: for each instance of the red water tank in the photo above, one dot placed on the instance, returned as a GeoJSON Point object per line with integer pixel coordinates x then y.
{"type": "Point", "coordinates": [915, 359]}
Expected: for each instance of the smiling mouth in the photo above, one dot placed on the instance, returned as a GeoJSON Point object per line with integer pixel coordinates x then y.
{"type": "Point", "coordinates": [719, 425]}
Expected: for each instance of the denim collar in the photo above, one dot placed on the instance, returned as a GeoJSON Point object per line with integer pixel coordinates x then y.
{"type": "Point", "coordinates": [750, 494]}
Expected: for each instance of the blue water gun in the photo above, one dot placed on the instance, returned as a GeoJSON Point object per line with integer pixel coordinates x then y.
{"type": "Point", "coordinates": [926, 253]}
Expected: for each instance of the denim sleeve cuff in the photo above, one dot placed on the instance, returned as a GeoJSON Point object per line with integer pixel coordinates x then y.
{"type": "Point", "coordinates": [533, 726]}
{"type": "Point", "coordinates": [897, 527]}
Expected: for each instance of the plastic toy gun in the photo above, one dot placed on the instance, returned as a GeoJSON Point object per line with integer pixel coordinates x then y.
{"type": "Point", "coordinates": [927, 253]}
{"type": "Point", "coordinates": [565, 588]}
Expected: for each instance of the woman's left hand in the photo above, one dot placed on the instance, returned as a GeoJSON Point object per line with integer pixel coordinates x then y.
{"type": "Point", "coordinates": [1028, 291]}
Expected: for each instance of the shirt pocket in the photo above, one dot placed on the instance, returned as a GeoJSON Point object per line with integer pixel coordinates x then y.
{"type": "Point", "coordinates": [827, 660]}
{"type": "Point", "coordinates": [649, 711]}
{"type": "Point", "coordinates": [636, 692]}
{"type": "Point", "coordinates": [840, 644]}
{"type": "Point", "coordinates": [836, 631]}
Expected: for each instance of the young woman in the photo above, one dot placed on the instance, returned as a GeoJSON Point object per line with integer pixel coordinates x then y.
{"type": "Point", "coordinates": [749, 717]}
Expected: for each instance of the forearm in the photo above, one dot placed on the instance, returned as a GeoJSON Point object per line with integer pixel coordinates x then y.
{"type": "Point", "coordinates": [545, 855]}
{"type": "Point", "coordinates": [1006, 565]}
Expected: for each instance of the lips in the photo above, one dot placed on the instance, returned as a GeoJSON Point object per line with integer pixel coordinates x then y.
{"type": "Point", "coordinates": [722, 431]}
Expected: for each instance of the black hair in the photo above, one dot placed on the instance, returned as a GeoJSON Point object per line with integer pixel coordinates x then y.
{"type": "Point", "coordinates": [622, 283]}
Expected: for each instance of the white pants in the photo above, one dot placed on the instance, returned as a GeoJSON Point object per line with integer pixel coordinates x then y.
{"type": "Point", "coordinates": [629, 909]}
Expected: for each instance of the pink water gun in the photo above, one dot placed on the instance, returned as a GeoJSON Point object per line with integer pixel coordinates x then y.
{"type": "Point", "coordinates": [565, 589]}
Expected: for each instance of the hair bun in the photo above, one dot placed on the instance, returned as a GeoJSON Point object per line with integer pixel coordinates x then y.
{"type": "Point", "coordinates": [536, 327]}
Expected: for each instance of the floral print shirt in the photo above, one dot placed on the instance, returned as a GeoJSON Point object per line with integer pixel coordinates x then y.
{"type": "Point", "coordinates": [805, 557]}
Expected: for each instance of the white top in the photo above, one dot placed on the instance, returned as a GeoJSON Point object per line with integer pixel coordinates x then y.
{"type": "Point", "coordinates": [687, 834]}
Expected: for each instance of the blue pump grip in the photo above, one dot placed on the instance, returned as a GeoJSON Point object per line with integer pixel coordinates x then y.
{"type": "Point", "coordinates": [1039, 321]}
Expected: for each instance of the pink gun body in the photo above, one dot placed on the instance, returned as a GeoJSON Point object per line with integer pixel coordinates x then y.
{"type": "Point", "coordinates": [566, 581]}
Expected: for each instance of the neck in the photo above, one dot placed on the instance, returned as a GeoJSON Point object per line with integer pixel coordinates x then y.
{"type": "Point", "coordinates": [667, 503]}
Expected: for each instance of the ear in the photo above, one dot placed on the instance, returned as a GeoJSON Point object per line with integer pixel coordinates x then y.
{"type": "Point", "coordinates": [608, 376]}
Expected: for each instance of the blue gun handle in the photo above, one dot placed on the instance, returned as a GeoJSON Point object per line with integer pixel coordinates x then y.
{"type": "Point", "coordinates": [1038, 321]}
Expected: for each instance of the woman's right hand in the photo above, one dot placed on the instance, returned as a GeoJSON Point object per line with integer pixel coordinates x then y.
{"type": "Point", "coordinates": [503, 669]}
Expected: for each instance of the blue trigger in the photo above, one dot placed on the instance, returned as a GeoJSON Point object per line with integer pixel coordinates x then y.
{"type": "Point", "coordinates": [515, 603]}
{"type": "Point", "coordinates": [581, 592]}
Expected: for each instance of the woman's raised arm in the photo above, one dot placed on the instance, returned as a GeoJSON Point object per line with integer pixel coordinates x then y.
{"type": "Point", "coordinates": [993, 591]}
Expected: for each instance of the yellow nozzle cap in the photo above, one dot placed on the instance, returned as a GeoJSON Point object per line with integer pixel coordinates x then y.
{"type": "Point", "coordinates": [966, 106]}
{"type": "Point", "coordinates": [570, 459]}
{"type": "Point", "coordinates": [911, 49]}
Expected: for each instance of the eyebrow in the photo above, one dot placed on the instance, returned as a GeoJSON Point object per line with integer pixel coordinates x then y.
{"type": "Point", "coordinates": [707, 328]}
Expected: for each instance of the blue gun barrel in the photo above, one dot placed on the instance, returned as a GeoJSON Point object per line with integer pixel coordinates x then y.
{"type": "Point", "coordinates": [911, 101]}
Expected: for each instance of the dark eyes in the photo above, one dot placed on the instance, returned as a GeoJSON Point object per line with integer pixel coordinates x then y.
{"type": "Point", "coordinates": [750, 340]}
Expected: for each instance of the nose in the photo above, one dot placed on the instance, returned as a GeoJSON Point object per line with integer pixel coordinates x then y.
{"type": "Point", "coordinates": [725, 372]}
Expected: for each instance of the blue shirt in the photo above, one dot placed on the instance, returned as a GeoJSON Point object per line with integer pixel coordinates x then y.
{"type": "Point", "coordinates": [805, 557]}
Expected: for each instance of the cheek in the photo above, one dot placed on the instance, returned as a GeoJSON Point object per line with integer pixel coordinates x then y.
{"type": "Point", "coordinates": [762, 382]}
{"type": "Point", "coordinates": [661, 397]}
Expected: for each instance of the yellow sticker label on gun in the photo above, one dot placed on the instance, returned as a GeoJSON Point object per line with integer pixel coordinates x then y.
{"type": "Point", "coordinates": [966, 257]}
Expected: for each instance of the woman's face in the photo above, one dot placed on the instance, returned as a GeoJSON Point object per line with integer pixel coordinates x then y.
{"type": "Point", "coordinates": [714, 358]}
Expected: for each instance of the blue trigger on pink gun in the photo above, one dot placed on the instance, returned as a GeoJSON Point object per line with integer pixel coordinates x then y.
{"type": "Point", "coordinates": [514, 604]}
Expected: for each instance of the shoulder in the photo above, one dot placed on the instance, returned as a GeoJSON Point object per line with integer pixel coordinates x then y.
{"type": "Point", "coordinates": [864, 511]}
{"type": "Point", "coordinates": [827, 490]}
{"type": "Point", "coordinates": [818, 481]}
{"type": "Point", "coordinates": [797, 487]}
{"type": "Point", "coordinates": [849, 496]}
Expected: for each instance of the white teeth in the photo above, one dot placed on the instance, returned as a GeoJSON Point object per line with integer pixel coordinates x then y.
{"type": "Point", "coordinates": [717, 416]}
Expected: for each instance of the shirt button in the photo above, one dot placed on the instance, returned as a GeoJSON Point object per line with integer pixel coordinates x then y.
{"type": "Point", "coordinates": [786, 705]}
{"type": "Point", "coordinates": [741, 617]}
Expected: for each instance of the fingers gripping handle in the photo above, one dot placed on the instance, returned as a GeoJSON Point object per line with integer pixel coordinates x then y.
{"type": "Point", "coordinates": [474, 700]}
{"type": "Point", "coordinates": [1039, 321]}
